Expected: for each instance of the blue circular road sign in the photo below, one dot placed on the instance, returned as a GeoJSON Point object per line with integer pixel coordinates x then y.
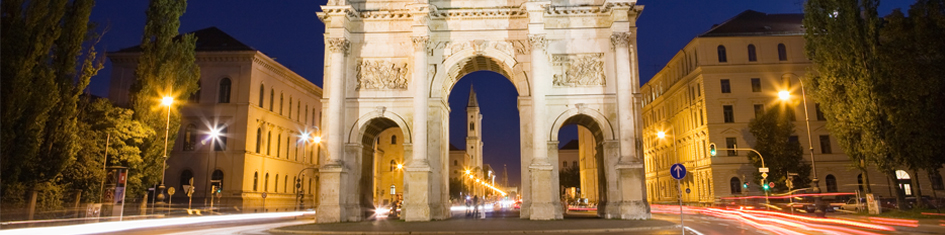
{"type": "Point", "coordinates": [678, 171]}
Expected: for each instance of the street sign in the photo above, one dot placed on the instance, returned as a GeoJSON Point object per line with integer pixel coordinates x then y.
{"type": "Point", "coordinates": [764, 175]}
{"type": "Point", "coordinates": [770, 184]}
{"type": "Point", "coordinates": [171, 191]}
{"type": "Point", "coordinates": [264, 195]}
{"type": "Point", "coordinates": [763, 169]}
{"type": "Point", "coordinates": [678, 171]}
{"type": "Point", "coordinates": [219, 195]}
{"type": "Point", "coordinates": [688, 191]}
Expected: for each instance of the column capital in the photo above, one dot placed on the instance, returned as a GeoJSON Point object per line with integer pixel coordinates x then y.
{"type": "Point", "coordinates": [538, 41]}
{"type": "Point", "coordinates": [620, 39]}
{"type": "Point", "coordinates": [338, 45]}
{"type": "Point", "coordinates": [422, 43]}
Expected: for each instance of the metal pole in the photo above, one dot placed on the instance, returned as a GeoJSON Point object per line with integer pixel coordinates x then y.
{"type": "Point", "coordinates": [101, 198]}
{"type": "Point", "coordinates": [679, 189]}
{"type": "Point", "coordinates": [813, 164]}
{"type": "Point", "coordinates": [167, 130]}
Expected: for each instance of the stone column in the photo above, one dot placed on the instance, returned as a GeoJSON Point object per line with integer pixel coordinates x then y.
{"type": "Point", "coordinates": [417, 201]}
{"type": "Point", "coordinates": [331, 207]}
{"type": "Point", "coordinates": [544, 193]}
{"type": "Point", "coordinates": [624, 87]}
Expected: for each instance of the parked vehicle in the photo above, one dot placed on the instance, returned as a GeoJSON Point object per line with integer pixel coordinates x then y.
{"type": "Point", "coordinates": [854, 206]}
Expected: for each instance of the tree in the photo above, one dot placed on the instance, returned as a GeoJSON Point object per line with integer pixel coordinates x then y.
{"type": "Point", "coordinates": [912, 53]}
{"type": "Point", "coordinates": [570, 177]}
{"type": "Point", "coordinates": [843, 42]}
{"type": "Point", "coordinates": [166, 67]}
{"type": "Point", "coordinates": [782, 155]}
{"type": "Point", "coordinates": [457, 187]}
{"type": "Point", "coordinates": [105, 127]}
{"type": "Point", "coordinates": [48, 59]}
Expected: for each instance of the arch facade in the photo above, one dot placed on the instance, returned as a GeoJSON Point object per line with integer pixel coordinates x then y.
{"type": "Point", "coordinates": [394, 63]}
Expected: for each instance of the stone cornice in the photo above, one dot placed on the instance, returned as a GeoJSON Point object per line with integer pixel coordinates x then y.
{"type": "Point", "coordinates": [276, 68]}
{"type": "Point", "coordinates": [482, 13]}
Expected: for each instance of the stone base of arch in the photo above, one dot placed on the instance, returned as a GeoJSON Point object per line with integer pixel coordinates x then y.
{"type": "Point", "coordinates": [417, 203]}
{"type": "Point", "coordinates": [633, 205]}
{"type": "Point", "coordinates": [331, 207]}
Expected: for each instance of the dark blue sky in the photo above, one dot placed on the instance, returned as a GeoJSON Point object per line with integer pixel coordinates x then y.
{"type": "Point", "coordinates": [289, 32]}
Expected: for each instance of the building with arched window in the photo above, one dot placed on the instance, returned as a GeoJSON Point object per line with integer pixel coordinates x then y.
{"type": "Point", "coordinates": [704, 96]}
{"type": "Point", "coordinates": [237, 83]}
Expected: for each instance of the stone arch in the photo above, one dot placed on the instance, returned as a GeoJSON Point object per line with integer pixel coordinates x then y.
{"type": "Point", "coordinates": [607, 131]}
{"type": "Point", "coordinates": [467, 61]}
{"type": "Point", "coordinates": [370, 127]}
{"type": "Point", "coordinates": [356, 133]}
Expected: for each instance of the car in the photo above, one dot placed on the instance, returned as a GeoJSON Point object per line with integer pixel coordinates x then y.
{"type": "Point", "coordinates": [854, 205]}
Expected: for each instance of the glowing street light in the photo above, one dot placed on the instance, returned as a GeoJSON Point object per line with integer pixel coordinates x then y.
{"type": "Point", "coordinates": [661, 135]}
{"type": "Point", "coordinates": [784, 95]}
{"type": "Point", "coordinates": [818, 202]}
{"type": "Point", "coordinates": [166, 101]}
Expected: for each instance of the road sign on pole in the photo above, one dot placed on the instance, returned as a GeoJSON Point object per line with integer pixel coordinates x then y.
{"type": "Point", "coordinates": [678, 171]}
{"type": "Point", "coordinates": [763, 169]}
{"type": "Point", "coordinates": [764, 175]}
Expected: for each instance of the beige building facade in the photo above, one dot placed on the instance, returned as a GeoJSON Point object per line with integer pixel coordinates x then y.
{"type": "Point", "coordinates": [713, 87]}
{"type": "Point", "coordinates": [261, 109]}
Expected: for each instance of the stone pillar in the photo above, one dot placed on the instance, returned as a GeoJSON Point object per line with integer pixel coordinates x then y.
{"type": "Point", "coordinates": [624, 87]}
{"type": "Point", "coordinates": [544, 193]}
{"type": "Point", "coordinates": [417, 199]}
{"type": "Point", "coordinates": [331, 207]}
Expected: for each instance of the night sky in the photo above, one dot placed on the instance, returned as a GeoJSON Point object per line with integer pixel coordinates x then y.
{"type": "Point", "coordinates": [289, 32]}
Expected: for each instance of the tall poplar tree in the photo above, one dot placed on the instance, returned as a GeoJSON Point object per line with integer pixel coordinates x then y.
{"type": "Point", "coordinates": [45, 67]}
{"type": "Point", "coordinates": [166, 67]}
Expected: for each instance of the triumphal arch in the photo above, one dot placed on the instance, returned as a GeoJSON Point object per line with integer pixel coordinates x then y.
{"type": "Point", "coordinates": [393, 63]}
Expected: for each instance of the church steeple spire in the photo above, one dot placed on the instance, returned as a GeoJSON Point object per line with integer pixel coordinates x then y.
{"type": "Point", "coordinates": [472, 98]}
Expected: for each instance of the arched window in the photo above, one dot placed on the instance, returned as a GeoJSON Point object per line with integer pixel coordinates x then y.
{"type": "Point", "coordinates": [272, 98]}
{"type": "Point", "coordinates": [393, 165]}
{"type": "Point", "coordinates": [472, 126]}
{"type": "Point", "coordinates": [290, 107]}
{"type": "Point", "coordinates": [735, 185]}
{"type": "Point", "coordinates": [564, 164]}
{"type": "Point", "coordinates": [782, 52]}
{"type": "Point", "coordinates": [936, 180]}
{"type": "Point", "coordinates": [281, 102]}
{"type": "Point", "coordinates": [185, 178]}
{"type": "Point", "coordinates": [574, 164]}
{"type": "Point", "coordinates": [262, 94]}
{"type": "Point", "coordinates": [393, 139]}
{"type": "Point", "coordinates": [258, 139]}
{"type": "Point", "coordinates": [221, 140]}
{"type": "Point", "coordinates": [224, 91]}
{"type": "Point", "coordinates": [278, 145]}
{"type": "Point", "coordinates": [269, 143]}
{"type": "Point", "coordinates": [255, 181]}
{"type": "Point", "coordinates": [190, 137]}
{"type": "Point", "coordinates": [393, 189]}
{"type": "Point", "coordinates": [859, 181]}
{"type": "Point", "coordinates": [905, 182]}
{"type": "Point", "coordinates": [722, 56]}
{"type": "Point", "coordinates": [285, 182]}
{"type": "Point", "coordinates": [455, 163]}
{"type": "Point", "coordinates": [275, 187]}
{"type": "Point", "coordinates": [266, 183]}
{"type": "Point", "coordinates": [831, 183]}
{"type": "Point", "coordinates": [306, 115]}
{"type": "Point", "coordinates": [298, 106]}
{"type": "Point", "coordinates": [195, 97]}
{"type": "Point", "coordinates": [751, 53]}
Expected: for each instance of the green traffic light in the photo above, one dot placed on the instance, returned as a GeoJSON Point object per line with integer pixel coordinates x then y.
{"type": "Point", "coordinates": [766, 187]}
{"type": "Point", "coordinates": [712, 149]}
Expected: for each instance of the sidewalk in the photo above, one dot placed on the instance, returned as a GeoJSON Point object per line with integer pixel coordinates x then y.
{"type": "Point", "coordinates": [924, 226]}
{"type": "Point", "coordinates": [495, 223]}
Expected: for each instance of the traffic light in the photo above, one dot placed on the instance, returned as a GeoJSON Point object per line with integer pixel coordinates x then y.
{"type": "Point", "coordinates": [745, 185]}
{"type": "Point", "coordinates": [764, 185]}
{"type": "Point", "coordinates": [712, 149]}
{"type": "Point", "coordinates": [213, 189]}
{"type": "Point", "coordinates": [219, 189]}
{"type": "Point", "coordinates": [298, 183]}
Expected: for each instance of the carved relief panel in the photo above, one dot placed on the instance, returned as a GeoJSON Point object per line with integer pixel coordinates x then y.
{"type": "Point", "coordinates": [579, 70]}
{"type": "Point", "coordinates": [382, 74]}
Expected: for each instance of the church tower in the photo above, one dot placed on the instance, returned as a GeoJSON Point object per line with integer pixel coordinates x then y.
{"type": "Point", "coordinates": [474, 135]}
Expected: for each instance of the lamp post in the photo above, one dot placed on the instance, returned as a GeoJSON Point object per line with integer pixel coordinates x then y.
{"type": "Point", "coordinates": [662, 135]}
{"type": "Point", "coordinates": [818, 202]}
{"type": "Point", "coordinates": [212, 136]}
{"type": "Point", "coordinates": [298, 192]}
{"type": "Point", "coordinates": [167, 101]}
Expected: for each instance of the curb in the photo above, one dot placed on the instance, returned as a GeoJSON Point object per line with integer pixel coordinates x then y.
{"type": "Point", "coordinates": [581, 231]}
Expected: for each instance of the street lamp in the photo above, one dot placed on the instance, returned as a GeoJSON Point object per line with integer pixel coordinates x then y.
{"type": "Point", "coordinates": [785, 96]}
{"type": "Point", "coordinates": [298, 187]}
{"type": "Point", "coordinates": [212, 136]}
{"type": "Point", "coordinates": [167, 101]}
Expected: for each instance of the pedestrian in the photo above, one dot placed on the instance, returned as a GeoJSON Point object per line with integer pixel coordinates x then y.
{"type": "Point", "coordinates": [476, 206]}
{"type": "Point", "coordinates": [468, 205]}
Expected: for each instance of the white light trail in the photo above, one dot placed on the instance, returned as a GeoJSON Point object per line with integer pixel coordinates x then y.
{"type": "Point", "coordinates": [107, 227]}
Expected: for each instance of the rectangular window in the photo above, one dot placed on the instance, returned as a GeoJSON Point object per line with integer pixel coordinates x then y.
{"type": "Point", "coordinates": [755, 85]}
{"type": "Point", "coordinates": [793, 139]}
{"type": "Point", "coordinates": [698, 89]}
{"type": "Point", "coordinates": [726, 86]}
{"type": "Point", "coordinates": [820, 114]}
{"type": "Point", "coordinates": [759, 110]}
{"type": "Point", "coordinates": [825, 144]}
{"type": "Point", "coordinates": [730, 144]}
{"type": "Point", "coordinates": [729, 113]}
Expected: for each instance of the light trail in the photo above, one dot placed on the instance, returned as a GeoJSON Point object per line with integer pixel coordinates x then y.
{"type": "Point", "coordinates": [783, 223]}
{"type": "Point", "coordinates": [107, 227]}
